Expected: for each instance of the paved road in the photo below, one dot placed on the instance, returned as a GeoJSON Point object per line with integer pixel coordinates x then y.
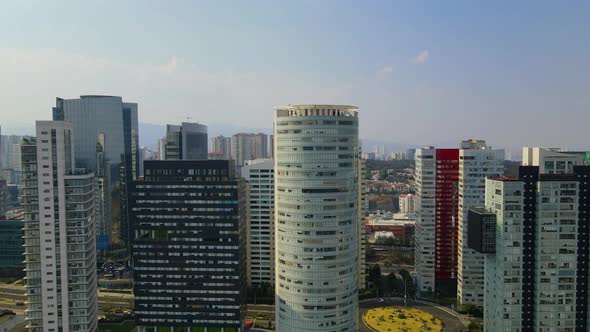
{"type": "Point", "coordinates": [10, 324]}
{"type": "Point", "coordinates": [450, 322]}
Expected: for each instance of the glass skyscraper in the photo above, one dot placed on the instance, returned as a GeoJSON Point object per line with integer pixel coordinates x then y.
{"type": "Point", "coordinates": [186, 142]}
{"type": "Point", "coordinates": [105, 140]}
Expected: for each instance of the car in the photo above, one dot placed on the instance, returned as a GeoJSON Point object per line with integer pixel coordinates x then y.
{"type": "Point", "coordinates": [380, 300]}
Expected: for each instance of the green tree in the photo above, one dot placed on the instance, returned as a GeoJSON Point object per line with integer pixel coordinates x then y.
{"type": "Point", "coordinates": [475, 327]}
{"type": "Point", "coordinates": [392, 281]}
{"type": "Point", "coordinates": [375, 274]}
{"type": "Point", "coordinates": [375, 277]}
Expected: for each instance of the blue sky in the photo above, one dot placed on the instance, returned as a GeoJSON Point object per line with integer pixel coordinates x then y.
{"type": "Point", "coordinates": [512, 72]}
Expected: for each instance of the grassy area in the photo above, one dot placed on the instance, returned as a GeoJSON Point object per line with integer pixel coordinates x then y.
{"type": "Point", "coordinates": [125, 326]}
{"type": "Point", "coordinates": [398, 319]}
{"type": "Point", "coordinates": [262, 320]}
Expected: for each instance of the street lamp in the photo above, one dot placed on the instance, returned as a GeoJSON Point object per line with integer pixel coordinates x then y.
{"type": "Point", "coordinates": [405, 292]}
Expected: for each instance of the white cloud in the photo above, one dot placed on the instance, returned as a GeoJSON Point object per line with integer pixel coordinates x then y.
{"type": "Point", "coordinates": [384, 72]}
{"type": "Point", "coordinates": [386, 69]}
{"type": "Point", "coordinates": [422, 57]}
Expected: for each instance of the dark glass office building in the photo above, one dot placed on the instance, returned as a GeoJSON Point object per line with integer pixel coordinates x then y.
{"type": "Point", "coordinates": [105, 132]}
{"type": "Point", "coordinates": [186, 142]}
{"type": "Point", "coordinates": [11, 247]}
{"type": "Point", "coordinates": [189, 250]}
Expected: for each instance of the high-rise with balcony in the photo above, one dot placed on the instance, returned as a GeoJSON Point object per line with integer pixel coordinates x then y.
{"type": "Point", "coordinates": [247, 146]}
{"type": "Point", "coordinates": [259, 175]}
{"type": "Point", "coordinates": [536, 264]}
{"type": "Point", "coordinates": [60, 240]}
{"type": "Point", "coordinates": [316, 217]}
{"type": "Point", "coordinates": [221, 144]}
{"type": "Point", "coordinates": [105, 142]}
{"type": "Point", "coordinates": [477, 161]}
{"type": "Point", "coordinates": [436, 205]}
{"type": "Point", "coordinates": [448, 183]}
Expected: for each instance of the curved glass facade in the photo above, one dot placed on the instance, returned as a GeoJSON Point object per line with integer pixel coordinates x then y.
{"type": "Point", "coordinates": [316, 211]}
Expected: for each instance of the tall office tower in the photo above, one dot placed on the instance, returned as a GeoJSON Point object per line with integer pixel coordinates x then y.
{"type": "Point", "coordinates": [16, 163]}
{"type": "Point", "coordinates": [534, 234]}
{"type": "Point", "coordinates": [186, 142]}
{"type": "Point", "coordinates": [476, 162]}
{"type": "Point", "coordinates": [363, 208]}
{"type": "Point", "coordinates": [146, 154]}
{"type": "Point", "coordinates": [259, 175]}
{"type": "Point", "coordinates": [3, 198]}
{"type": "Point", "coordinates": [60, 240]}
{"type": "Point", "coordinates": [6, 149]}
{"type": "Point", "coordinates": [221, 144]}
{"type": "Point", "coordinates": [162, 149]}
{"type": "Point", "coordinates": [411, 154]}
{"type": "Point", "coordinates": [9, 166]}
{"type": "Point", "coordinates": [406, 203]}
{"type": "Point", "coordinates": [112, 123]}
{"type": "Point", "coordinates": [316, 211]}
{"type": "Point", "coordinates": [437, 175]}
{"type": "Point", "coordinates": [271, 153]}
{"type": "Point", "coordinates": [249, 147]}
{"type": "Point", "coordinates": [554, 160]}
{"type": "Point", "coordinates": [189, 248]}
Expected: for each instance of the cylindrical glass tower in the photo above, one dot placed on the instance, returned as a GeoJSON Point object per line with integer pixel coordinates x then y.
{"type": "Point", "coordinates": [316, 211]}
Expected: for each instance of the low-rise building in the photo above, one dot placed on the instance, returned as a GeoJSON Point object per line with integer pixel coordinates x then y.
{"type": "Point", "coordinates": [406, 203]}
{"type": "Point", "coordinates": [401, 225]}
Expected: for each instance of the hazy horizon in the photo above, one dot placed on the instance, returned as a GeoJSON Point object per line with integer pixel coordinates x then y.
{"type": "Point", "coordinates": [514, 74]}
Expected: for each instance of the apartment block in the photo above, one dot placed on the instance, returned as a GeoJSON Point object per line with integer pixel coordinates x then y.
{"type": "Point", "coordinates": [59, 202]}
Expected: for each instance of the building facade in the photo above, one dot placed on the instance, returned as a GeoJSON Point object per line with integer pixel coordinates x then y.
{"type": "Point", "coordinates": [437, 176]}
{"type": "Point", "coordinates": [162, 149]}
{"type": "Point", "coordinates": [247, 146]}
{"type": "Point", "coordinates": [111, 123]}
{"type": "Point", "coordinates": [11, 245]}
{"type": "Point", "coordinates": [7, 143]}
{"type": "Point", "coordinates": [259, 174]}
{"type": "Point", "coordinates": [3, 198]}
{"type": "Point", "coordinates": [186, 142]}
{"type": "Point", "coordinates": [10, 162]}
{"type": "Point", "coordinates": [60, 241]}
{"type": "Point", "coordinates": [554, 160]}
{"type": "Point", "coordinates": [189, 248]}
{"type": "Point", "coordinates": [537, 277]}
{"type": "Point", "coordinates": [448, 183]}
{"type": "Point", "coordinates": [221, 144]}
{"type": "Point", "coordinates": [316, 218]}
{"type": "Point", "coordinates": [406, 203]}
{"type": "Point", "coordinates": [363, 208]}
{"type": "Point", "coordinates": [477, 161]}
